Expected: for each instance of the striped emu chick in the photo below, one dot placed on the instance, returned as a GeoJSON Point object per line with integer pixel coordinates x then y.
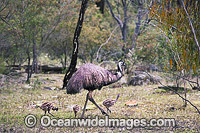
{"type": "Point", "coordinates": [110, 102]}
{"type": "Point", "coordinates": [47, 107]}
{"type": "Point", "coordinates": [76, 108]}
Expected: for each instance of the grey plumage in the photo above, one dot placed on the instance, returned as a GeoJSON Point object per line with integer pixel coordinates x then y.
{"type": "Point", "coordinates": [91, 77]}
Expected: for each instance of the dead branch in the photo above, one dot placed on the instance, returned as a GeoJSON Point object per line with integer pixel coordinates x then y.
{"type": "Point", "coordinates": [177, 94]}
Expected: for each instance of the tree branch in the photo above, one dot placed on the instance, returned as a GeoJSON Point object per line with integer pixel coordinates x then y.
{"type": "Point", "coordinates": [4, 20]}
{"type": "Point", "coordinates": [115, 17]}
{"type": "Point", "coordinates": [105, 43]}
{"type": "Point", "coordinates": [118, 8]}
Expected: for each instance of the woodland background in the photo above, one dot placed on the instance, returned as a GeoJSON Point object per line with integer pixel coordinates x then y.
{"type": "Point", "coordinates": [36, 40]}
{"type": "Point", "coordinates": [148, 32]}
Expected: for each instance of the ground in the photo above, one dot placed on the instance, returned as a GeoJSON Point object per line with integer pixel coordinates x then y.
{"type": "Point", "coordinates": [18, 99]}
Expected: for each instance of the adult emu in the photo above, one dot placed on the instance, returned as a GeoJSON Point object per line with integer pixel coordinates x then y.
{"type": "Point", "coordinates": [91, 77]}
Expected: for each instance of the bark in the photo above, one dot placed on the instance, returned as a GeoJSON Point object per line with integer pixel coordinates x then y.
{"type": "Point", "coordinates": [72, 67]}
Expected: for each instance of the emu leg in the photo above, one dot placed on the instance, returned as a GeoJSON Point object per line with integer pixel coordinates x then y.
{"type": "Point", "coordinates": [92, 100]}
{"type": "Point", "coordinates": [108, 110]}
{"type": "Point", "coordinates": [85, 105]}
{"type": "Point", "coordinates": [50, 113]}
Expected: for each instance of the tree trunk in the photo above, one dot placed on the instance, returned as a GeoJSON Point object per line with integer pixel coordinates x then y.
{"type": "Point", "coordinates": [72, 67]}
{"type": "Point", "coordinates": [35, 62]}
{"type": "Point", "coordinates": [65, 60]}
{"type": "Point", "coordinates": [101, 5]}
{"type": "Point", "coordinates": [29, 63]}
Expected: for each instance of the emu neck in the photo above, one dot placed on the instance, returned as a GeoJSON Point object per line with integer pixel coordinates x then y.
{"type": "Point", "coordinates": [119, 68]}
{"type": "Point", "coordinates": [118, 75]}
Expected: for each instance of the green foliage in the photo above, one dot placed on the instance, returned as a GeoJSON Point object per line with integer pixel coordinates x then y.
{"type": "Point", "coordinates": [176, 26]}
{"type": "Point", "coordinates": [28, 23]}
{"type": "Point", "coordinates": [51, 26]}
{"type": "Point", "coordinates": [2, 67]}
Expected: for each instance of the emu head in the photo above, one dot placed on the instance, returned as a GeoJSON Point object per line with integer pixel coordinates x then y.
{"type": "Point", "coordinates": [55, 108]}
{"type": "Point", "coordinates": [121, 66]}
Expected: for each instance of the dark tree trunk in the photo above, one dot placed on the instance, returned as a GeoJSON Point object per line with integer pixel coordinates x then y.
{"type": "Point", "coordinates": [73, 63]}
{"type": "Point", "coordinates": [101, 5]}
{"type": "Point", "coordinates": [34, 63]}
{"type": "Point", "coordinates": [65, 58]}
{"type": "Point", "coordinates": [29, 72]}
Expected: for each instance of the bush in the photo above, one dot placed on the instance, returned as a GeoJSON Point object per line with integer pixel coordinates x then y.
{"type": "Point", "coordinates": [3, 69]}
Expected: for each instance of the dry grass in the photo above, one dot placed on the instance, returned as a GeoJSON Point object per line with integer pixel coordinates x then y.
{"type": "Point", "coordinates": [17, 101]}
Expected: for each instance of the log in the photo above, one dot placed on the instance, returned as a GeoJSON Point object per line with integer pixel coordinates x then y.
{"type": "Point", "coordinates": [47, 69]}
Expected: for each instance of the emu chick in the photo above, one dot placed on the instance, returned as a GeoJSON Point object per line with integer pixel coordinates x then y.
{"type": "Point", "coordinates": [110, 102]}
{"type": "Point", "coordinates": [76, 108]}
{"type": "Point", "coordinates": [47, 107]}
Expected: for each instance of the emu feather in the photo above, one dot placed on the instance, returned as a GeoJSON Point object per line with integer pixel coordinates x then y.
{"type": "Point", "coordinates": [91, 77]}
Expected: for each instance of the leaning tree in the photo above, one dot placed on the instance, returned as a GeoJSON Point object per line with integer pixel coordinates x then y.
{"type": "Point", "coordinates": [72, 67]}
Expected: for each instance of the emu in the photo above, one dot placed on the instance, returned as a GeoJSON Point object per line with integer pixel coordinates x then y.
{"type": "Point", "coordinates": [47, 106]}
{"type": "Point", "coordinates": [91, 77]}
{"type": "Point", "coordinates": [76, 108]}
{"type": "Point", "coordinates": [110, 102]}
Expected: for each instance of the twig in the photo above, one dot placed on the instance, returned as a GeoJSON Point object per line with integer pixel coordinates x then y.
{"type": "Point", "coordinates": [107, 62]}
{"type": "Point", "coordinates": [177, 94]}
{"type": "Point", "coordinates": [105, 43]}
